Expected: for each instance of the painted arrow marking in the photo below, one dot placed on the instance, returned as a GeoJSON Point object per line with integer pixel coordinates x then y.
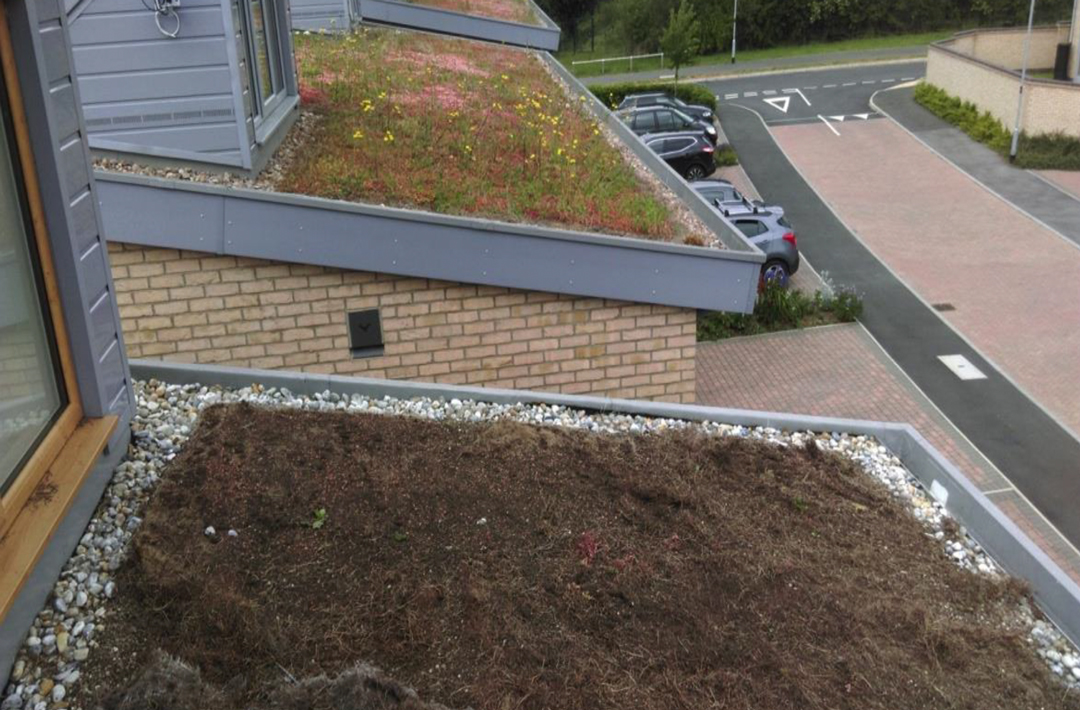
{"type": "Point", "coordinates": [780, 103]}
{"type": "Point", "coordinates": [863, 116]}
{"type": "Point", "coordinates": [838, 119]}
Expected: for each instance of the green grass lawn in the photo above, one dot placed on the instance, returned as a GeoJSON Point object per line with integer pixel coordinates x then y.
{"type": "Point", "coordinates": [752, 55]}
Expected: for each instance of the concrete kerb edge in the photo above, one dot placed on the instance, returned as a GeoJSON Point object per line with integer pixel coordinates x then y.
{"type": "Point", "coordinates": [752, 73]}
{"type": "Point", "coordinates": [1057, 594]}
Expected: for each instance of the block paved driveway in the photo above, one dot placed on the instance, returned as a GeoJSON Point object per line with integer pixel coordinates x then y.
{"type": "Point", "coordinates": [1010, 284]}
{"type": "Point", "coordinates": [840, 371]}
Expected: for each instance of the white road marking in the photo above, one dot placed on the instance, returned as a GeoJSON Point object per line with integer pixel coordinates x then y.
{"type": "Point", "coordinates": [887, 81]}
{"type": "Point", "coordinates": [749, 94]}
{"type": "Point", "coordinates": [809, 88]}
{"type": "Point", "coordinates": [863, 116]}
{"type": "Point", "coordinates": [829, 86]}
{"type": "Point", "coordinates": [826, 122]}
{"type": "Point", "coordinates": [850, 83]}
{"type": "Point", "coordinates": [768, 92]}
{"type": "Point", "coordinates": [731, 96]}
{"type": "Point", "coordinates": [908, 78]}
{"type": "Point", "coordinates": [789, 91]}
{"type": "Point", "coordinates": [780, 103]}
{"type": "Point", "coordinates": [866, 83]}
{"type": "Point", "coordinates": [667, 76]}
{"type": "Point", "coordinates": [801, 94]}
{"type": "Point", "coordinates": [838, 119]}
{"type": "Point", "coordinates": [962, 367]}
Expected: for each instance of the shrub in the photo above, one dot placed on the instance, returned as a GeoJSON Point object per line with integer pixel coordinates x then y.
{"type": "Point", "coordinates": [725, 156]}
{"type": "Point", "coordinates": [1041, 152]}
{"type": "Point", "coordinates": [780, 308]}
{"type": "Point", "coordinates": [613, 94]}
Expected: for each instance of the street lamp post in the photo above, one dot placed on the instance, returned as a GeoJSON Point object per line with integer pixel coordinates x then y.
{"type": "Point", "coordinates": [734, 26]}
{"type": "Point", "coordinates": [1023, 80]}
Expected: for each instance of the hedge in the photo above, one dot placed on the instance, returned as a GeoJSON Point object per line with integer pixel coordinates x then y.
{"type": "Point", "coordinates": [613, 94]}
{"type": "Point", "coordinates": [1040, 152]}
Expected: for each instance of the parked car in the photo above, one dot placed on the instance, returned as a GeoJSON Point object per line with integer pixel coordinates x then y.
{"type": "Point", "coordinates": [659, 98]}
{"type": "Point", "coordinates": [689, 153]}
{"type": "Point", "coordinates": [724, 195]}
{"type": "Point", "coordinates": [665, 120]}
{"type": "Point", "coordinates": [769, 231]}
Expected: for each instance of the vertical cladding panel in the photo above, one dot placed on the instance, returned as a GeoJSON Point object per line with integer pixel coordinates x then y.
{"type": "Point", "coordinates": [68, 197]}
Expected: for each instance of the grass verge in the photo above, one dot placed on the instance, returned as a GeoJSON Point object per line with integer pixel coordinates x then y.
{"type": "Point", "coordinates": [1042, 152]}
{"type": "Point", "coordinates": [752, 55]}
{"type": "Point", "coordinates": [460, 127]}
{"type": "Point", "coordinates": [779, 308]}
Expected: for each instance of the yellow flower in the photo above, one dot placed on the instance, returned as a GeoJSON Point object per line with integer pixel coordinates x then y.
{"type": "Point", "coordinates": [505, 77]}
{"type": "Point", "coordinates": [389, 137]}
{"type": "Point", "coordinates": [382, 94]}
{"type": "Point", "coordinates": [468, 149]}
{"type": "Point", "coordinates": [358, 135]}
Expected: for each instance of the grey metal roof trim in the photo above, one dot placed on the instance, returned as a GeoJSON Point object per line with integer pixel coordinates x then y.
{"type": "Point", "coordinates": [311, 230]}
{"type": "Point", "coordinates": [403, 14]}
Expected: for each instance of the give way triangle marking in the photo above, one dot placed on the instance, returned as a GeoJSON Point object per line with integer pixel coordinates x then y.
{"type": "Point", "coordinates": [838, 119]}
{"type": "Point", "coordinates": [780, 103]}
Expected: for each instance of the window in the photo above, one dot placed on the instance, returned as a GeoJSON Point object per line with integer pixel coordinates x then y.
{"type": "Point", "coordinates": [750, 227]}
{"type": "Point", "coordinates": [32, 392]}
{"type": "Point", "coordinates": [645, 122]}
{"type": "Point", "coordinates": [675, 145]}
{"type": "Point", "coordinates": [665, 121]}
{"type": "Point", "coordinates": [259, 23]}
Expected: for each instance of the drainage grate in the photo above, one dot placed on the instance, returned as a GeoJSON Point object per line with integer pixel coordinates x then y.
{"type": "Point", "coordinates": [943, 307]}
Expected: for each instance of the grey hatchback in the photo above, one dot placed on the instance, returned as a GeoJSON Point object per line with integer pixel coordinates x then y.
{"type": "Point", "coordinates": [772, 234]}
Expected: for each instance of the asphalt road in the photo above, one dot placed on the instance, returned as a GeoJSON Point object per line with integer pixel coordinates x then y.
{"type": "Point", "coordinates": [1039, 456]}
{"type": "Point", "coordinates": [831, 95]}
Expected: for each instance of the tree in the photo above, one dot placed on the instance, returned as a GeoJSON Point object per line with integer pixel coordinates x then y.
{"type": "Point", "coordinates": [682, 37]}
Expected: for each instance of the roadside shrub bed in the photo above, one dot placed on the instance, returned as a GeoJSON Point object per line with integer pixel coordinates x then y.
{"type": "Point", "coordinates": [780, 308]}
{"type": "Point", "coordinates": [1042, 152]}
{"type": "Point", "coordinates": [613, 94]}
{"type": "Point", "coordinates": [452, 126]}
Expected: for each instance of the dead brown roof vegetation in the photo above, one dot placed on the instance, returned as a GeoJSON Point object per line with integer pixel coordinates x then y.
{"type": "Point", "coordinates": [503, 566]}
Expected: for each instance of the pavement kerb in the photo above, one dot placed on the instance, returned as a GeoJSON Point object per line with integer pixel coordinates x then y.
{"type": "Point", "coordinates": [977, 181]}
{"type": "Point", "coordinates": [1051, 183]}
{"type": "Point", "coordinates": [997, 368]}
{"type": "Point", "coordinates": [1057, 594]}
{"type": "Point", "coordinates": [751, 73]}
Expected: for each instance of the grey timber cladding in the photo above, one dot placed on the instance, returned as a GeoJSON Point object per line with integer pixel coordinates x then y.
{"type": "Point", "coordinates": [144, 92]}
{"type": "Point", "coordinates": [69, 200]}
{"type": "Point", "coordinates": [421, 17]}
{"type": "Point", "coordinates": [318, 15]}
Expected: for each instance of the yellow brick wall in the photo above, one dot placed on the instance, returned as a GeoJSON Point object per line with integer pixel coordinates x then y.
{"type": "Point", "coordinates": [195, 307]}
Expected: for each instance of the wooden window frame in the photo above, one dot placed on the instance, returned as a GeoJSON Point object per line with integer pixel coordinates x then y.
{"type": "Point", "coordinates": [65, 423]}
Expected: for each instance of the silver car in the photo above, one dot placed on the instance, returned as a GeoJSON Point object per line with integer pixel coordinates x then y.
{"type": "Point", "coordinates": [766, 228]}
{"type": "Point", "coordinates": [724, 195]}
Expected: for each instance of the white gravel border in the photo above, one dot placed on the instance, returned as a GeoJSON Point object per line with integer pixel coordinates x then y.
{"type": "Point", "coordinates": [64, 632]}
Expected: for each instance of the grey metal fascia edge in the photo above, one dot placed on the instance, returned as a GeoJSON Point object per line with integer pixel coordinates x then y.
{"type": "Point", "coordinates": [728, 235]}
{"type": "Point", "coordinates": [748, 253]}
{"type": "Point", "coordinates": [299, 229]}
{"type": "Point", "coordinates": [311, 230]}
{"type": "Point", "coordinates": [1056, 593]}
{"type": "Point", "coordinates": [97, 142]}
{"type": "Point", "coordinates": [406, 14]}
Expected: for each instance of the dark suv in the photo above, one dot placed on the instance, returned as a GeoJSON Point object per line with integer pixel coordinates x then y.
{"type": "Point", "coordinates": [662, 119]}
{"type": "Point", "coordinates": [657, 98]}
{"type": "Point", "coordinates": [689, 153]}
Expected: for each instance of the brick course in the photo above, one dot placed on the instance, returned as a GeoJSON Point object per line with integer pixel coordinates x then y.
{"type": "Point", "coordinates": [194, 307]}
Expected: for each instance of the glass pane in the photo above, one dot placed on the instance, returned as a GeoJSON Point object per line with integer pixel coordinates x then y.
{"type": "Point", "coordinates": [262, 50]}
{"type": "Point", "coordinates": [30, 395]}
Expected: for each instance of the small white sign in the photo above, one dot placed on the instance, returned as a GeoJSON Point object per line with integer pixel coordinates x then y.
{"type": "Point", "coordinates": [962, 367]}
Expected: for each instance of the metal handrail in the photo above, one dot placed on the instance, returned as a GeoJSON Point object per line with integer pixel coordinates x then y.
{"type": "Point", "coordinates": [604, 60]}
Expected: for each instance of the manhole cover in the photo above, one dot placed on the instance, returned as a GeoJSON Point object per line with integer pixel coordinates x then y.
{"type": "Point", "coordinates": [942, 307]}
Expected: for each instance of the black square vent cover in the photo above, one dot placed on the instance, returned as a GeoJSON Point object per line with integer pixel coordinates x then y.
{"type": "Point", "coordinates": [365, 333]}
